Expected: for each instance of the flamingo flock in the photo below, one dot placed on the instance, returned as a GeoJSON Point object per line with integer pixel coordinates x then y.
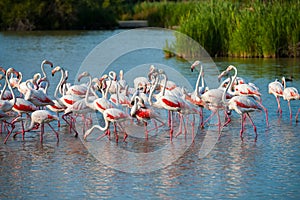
{"type": "Point", "coordinates": [120, 105]}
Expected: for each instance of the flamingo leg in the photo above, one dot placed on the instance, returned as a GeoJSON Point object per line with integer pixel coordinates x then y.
{"type": "Point", "coordinates": [42, 132]}
{"type": "Point", "coordinates": [291, 115]}
{"type": "Point", "coordinates": [146, 131]}
{"type": "Point", "coordinates": [171, 128]}
{"type": "Point", "coordinates": [254, 127]}
{"type": "Point", "coordinates": [278, 105]}
{"type": "Point", "coordinates": [180, 125]}
{"type": "Point", "coordinates": [56, 133]}
{"type": "Point", "coordinates": [107, 132]}
{"type": "Point", "coordinates": [58, 122]}
{"type": "Point", "coordinates": [70, 124]}
{"type": "Point", "coordinates": [242, 126]}
{"type": "Point", "coordinates": [209, 118]}
{"type": "Point", "coordinates": [297, 115]}
{"type": "Point", "coordinates": [9, 133]}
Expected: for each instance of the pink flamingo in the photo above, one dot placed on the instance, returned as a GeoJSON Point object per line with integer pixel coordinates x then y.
{"type": "Point", "coordinates": [42, 117]}
{"type": "Point", "coordinates": [67, 99]}
{"type": "Point", "coordinates": [289, 93]}
{"type": "Point", "coordinates": [43, 82]}
{"type": "Point", "coordinates": [110, 115]}
{"type": "Point", "coordinates": [243, 105]}
{"type": "Point", "coordinates": [22, 106]}
{"type": "Point", "coordinates": [276, 88]}
{"type": "Point", "coordinates": [7, 105]}
{"type": "Point", "coordinates": [144, 114]}
{"type": "Point", "coordinates": [169, 102]}
{"type": "Point", "coordinates": [194, 97]}
{"type": "Point", "coordinates": [99, 104]}
{"type": "Point", "coordinates": [58, 106]}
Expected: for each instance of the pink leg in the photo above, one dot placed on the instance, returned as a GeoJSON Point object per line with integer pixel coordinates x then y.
{"type": "Point", "coordinates": [278, 105]}
{"type": "Point", "coordinates": [254, 127]}
{"type": "Point", "coordinates": [57, 136]}
{"type": "Point", "coordinates": [107, 132]}
{"type": "Point", "coordinates": [242, 126]}
{"type": "Point", "coordinates": [297, 115]}
{"type": "Point", "coordinates": [171, 130]}
{"type": "Point", "coordinates": [146, 131]}
{"type": "Point", "coordinates": [42, 132]}
{"type": "Point", "coordinates": [209, 118]}
{"type": "Point", "coordinates": [291, 115]}
{"type": "Point", "coordinates": [266, 112]}
{"type": "Point", "coordinates": [180, 125]}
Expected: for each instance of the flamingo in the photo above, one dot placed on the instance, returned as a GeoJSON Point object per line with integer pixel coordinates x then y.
{"type": "Point", "coordinates": [168, 102]}
{"type": "Point", "coordinates": [42, 117]}
{"type": "Point", "coordinates": [276, 88]}
{"type": "Point", "coordinates": [99, 104]}
{"type": "Point", "coordinates": [37, 97]}
{"type": "Point", "coordinates": [58, 106]}
{"type": "Point", "coordinates": [43, 82]}
{"type": "Point", "coordinates": [194, 97]}
{"type": "Point", "coordinates": [110, 115]}
{"type": "Point", "coordinates": [7, 105]}
{"type": "Point", "coordinates": [289, 93]}
{"type": "Point", "coordinates": [67, 99]}
{"type": "Point", "coordinates": [243, 105]}
{"type": "Point", "coordinates": [5, 94]}
{"type": "Point", "coordinates": [22, 106]}
{"type": "Point", "coordinates": [144, 114]}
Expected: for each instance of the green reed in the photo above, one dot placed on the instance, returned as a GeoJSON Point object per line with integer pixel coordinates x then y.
{"type": "Point", "coordinates": [254, 29]}
{"type": "Point", "coordinates": [230, 28]}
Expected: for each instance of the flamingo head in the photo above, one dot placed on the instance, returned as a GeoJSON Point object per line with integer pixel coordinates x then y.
{"type": "Point", "coordinates": [56, 69]}
{"type": "Point", "coordinates": [83, 74]}
{"type": "Point", "coordinates": [196, 63]}
{"type": "Point", "coordinates": [224, 73]}
{"type": "Point", "coordinates": [47, 62]}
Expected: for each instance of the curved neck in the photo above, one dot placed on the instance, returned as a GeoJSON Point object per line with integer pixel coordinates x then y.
{"type": "Point", "coordinates": [198, 81]}
{"type": "Point", "coordinates": [3, 90]}
{"type": "Point", "coordinates": [165, 83]}
{"type": "Point", "coordinates": [13, 100]}
{"type": "Point", "coordinates": [231, 80]}
{"type": "Point", "coordinates": [283, 82]}
{"type": "Point", "coordinates": [135, 106]}
{"type": "Point", "coordinates": [108, 87]}
{"type": "Point", "coordinates": [59, 84]}
{"type": "Point", "coordinates": [152, 90]}
{"type": "Point", "coordinates": [89, 104]}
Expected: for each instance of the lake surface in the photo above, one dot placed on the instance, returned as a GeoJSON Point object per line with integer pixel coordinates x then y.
{"type": "Point", "coordinates": [266, 169]}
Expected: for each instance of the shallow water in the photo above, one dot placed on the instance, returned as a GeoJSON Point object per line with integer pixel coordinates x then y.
{"type": "Point", "coordinates": [266, 169]}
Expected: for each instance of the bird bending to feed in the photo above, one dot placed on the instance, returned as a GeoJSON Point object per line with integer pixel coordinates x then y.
{"type": "Point", "coordinates": [110, 115]}
{"type": "Point", "coordinates": [276, 88]}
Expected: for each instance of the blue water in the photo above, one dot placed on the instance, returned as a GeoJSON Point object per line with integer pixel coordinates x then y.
{"type": "Point", "coordinates": [267, 169]}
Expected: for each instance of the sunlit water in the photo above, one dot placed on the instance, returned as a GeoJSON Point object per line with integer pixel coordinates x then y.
{"type": "Point", "coordinates": [267, 169]}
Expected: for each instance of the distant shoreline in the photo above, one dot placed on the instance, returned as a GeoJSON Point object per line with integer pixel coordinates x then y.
{"type": "Point", "coordinates": [124, 24]}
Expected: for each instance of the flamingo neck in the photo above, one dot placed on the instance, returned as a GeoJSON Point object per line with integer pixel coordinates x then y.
{"type": "Point", "coordinates": [152, 90]}
{"type": "Point", "coordinates": [13, 100]}
{"type": "Point", "coordinates": [198, 81]}
{"type": "Point", "coordinates": [59, 84]}
{"type": "Point", "coordinates": [89, 104]}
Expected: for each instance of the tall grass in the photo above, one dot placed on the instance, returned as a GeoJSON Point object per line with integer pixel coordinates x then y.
{"type": "Point", "coordinates": [254, 29]}
{"type": "Point", "coordinates": [230, 28]}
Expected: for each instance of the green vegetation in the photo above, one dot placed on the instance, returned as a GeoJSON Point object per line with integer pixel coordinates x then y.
{"type": "Point", "coordinates": [56, 14]}
{"type": "Point", "coordinates": [231, 28]}
{"type": "Point", "coordinates": [246, 28]}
